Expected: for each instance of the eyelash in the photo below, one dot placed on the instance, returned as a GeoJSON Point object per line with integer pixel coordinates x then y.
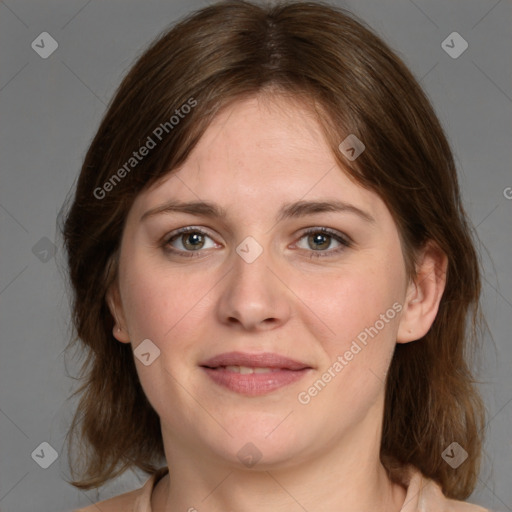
{"type": "Point", "coordinates": [345, 241]}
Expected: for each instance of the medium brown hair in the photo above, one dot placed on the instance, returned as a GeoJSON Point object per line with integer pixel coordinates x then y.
{"type": "Point", "coordinates": [354, 84]}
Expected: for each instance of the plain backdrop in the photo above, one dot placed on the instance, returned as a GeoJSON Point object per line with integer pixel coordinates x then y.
{"type": "Point", "coordinates": [50, 109]}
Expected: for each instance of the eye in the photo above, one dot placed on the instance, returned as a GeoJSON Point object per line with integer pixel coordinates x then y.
{"type": "Point", "coordinates": [189, 239]}
{"type": "Point", "coordinates": [320, 240]}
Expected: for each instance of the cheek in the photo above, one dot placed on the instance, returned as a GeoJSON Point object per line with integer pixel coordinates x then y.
{"type": "Point", "coordinates": [361, 308]}
{"type": "Point", "coordinates": [156, 302]}
{"type": "Point", "coordinates": [166, 308]}
{"type": "Point", "coordinates": [362, 312]}
{"type": "Point", "coordinates": [352, 301]}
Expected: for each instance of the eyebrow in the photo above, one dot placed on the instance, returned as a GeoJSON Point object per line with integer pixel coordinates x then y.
{"type": "Point", "coordinates": [288, 211]}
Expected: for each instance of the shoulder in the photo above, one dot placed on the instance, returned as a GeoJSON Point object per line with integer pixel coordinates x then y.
{"type": "Point", "coordinates": [426, 495]}
{"type": "Point", "coordinates": [138, 500]}
{"type": "Point", "coordinates": [123, 502]}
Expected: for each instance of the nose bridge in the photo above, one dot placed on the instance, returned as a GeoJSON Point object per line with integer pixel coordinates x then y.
{"type": "Point", "coordinates": [253, 297]}
{"type": "Point", "coordinates": [251, 267]}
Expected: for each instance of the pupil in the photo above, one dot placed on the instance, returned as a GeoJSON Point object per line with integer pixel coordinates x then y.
{"type": "Point", "coordinates": [320, 241]}
{"type": "Point", "coordinates": [193, 240]}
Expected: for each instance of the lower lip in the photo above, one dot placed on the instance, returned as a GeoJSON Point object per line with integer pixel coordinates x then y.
{"type": "Point", "coordinates": [254, 384]}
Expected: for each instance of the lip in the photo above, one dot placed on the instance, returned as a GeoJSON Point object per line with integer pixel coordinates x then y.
{"type": "Point", "coordinates": [262, 360]}
{"type": "Point", "coordinates": [284, 371]}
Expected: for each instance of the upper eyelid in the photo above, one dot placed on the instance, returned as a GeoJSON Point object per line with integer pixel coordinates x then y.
{"type": "Point", "coordinates": [187, 229]}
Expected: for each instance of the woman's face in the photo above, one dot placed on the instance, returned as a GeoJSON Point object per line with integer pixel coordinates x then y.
{"type": "Point", "coordinates": [283, 256]}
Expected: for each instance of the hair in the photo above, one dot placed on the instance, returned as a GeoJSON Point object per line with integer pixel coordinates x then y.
{"type": "Point", "coordinates": [330, 62]}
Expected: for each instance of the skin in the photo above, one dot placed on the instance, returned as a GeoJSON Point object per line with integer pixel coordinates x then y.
{"type": "Point", "coordinates": [258, 155]}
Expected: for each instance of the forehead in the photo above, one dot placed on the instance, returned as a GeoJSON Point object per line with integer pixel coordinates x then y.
{"type": "Point", "coordinates": [260, 151]}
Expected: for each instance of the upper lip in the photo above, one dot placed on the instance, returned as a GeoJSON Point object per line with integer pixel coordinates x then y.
{"type": "Point", "coordinates": [262, 360]}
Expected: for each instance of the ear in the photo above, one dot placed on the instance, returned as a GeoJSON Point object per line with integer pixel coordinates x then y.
{"type": "Point", "coordinates": [115, 305]}
{"type": "Point", "coordinates": [423, 294]}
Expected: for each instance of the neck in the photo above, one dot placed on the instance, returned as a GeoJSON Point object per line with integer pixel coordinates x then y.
{"type": "Point", "coordinates": [348, 476]}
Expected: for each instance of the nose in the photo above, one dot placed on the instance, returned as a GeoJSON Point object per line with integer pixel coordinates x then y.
{"type": "Point", "coordinates": [254, 296]}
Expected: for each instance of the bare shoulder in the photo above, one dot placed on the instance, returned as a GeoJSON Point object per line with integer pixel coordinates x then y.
{"type": "Point", "coordinates": [424, 494]}
{"type": "Point", "coordinates": [138, 500]}
{"type": "Point", "coordinates": [124, 502]}
{"type": "Point", "coordinates": [462, 506]}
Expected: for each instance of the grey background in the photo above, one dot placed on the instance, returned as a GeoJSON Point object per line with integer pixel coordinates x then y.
{"type": "Point", "coordinates": [49, 111]}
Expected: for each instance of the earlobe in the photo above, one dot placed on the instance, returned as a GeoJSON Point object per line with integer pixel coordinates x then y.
{"type": "Point", "coordinates": [113, 299]}
{"type": "Point", "coordinates": [423, 294]}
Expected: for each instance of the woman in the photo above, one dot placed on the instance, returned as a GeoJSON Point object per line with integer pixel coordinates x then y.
{"type": "Point", "coordinates": [272, 273]}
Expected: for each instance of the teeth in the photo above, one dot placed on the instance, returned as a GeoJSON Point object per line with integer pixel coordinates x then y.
{"type": "Point", "coordinates": [246, 369]}
{"type": "Point", "coordinates": [264, 370]}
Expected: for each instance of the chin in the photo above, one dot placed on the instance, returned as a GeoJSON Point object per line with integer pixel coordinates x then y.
{"type": "Point", "coordinates": [260, 448]}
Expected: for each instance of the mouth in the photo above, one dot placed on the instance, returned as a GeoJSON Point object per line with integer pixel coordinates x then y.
{"type": "Point", "coordinates": [253, 374]}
